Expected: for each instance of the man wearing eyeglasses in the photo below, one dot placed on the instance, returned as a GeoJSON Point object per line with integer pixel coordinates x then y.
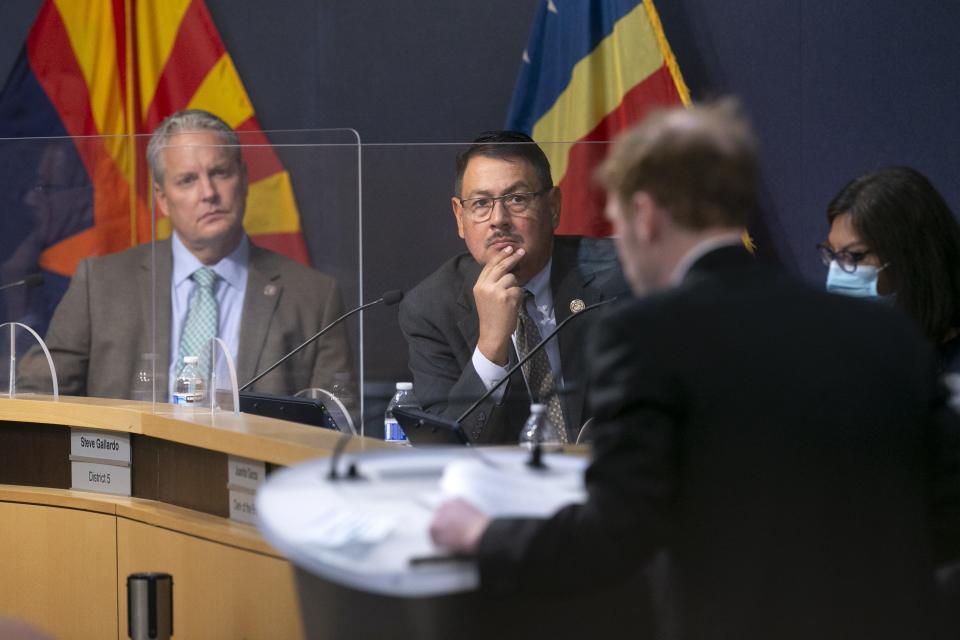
{"type": "Point", "coordinates": [469, 321]}
{"type": "Point", "coordinates": [791, 451]}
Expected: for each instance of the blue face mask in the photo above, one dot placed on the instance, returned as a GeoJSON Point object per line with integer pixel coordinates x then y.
{"type": "Point", "coordinates": [862, 283]}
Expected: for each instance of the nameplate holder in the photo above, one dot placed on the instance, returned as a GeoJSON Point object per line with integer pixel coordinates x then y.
{"type": "Point", "coordinates": [114, 463]}
{"type": "Point", "coordinates": [89, 444]}
{"type": "Point", "coordinates": [245, 474]}
{"type": "Point", "coordinates": [243, 506]}
{"type": "Point", "coordinates": [101, 478]}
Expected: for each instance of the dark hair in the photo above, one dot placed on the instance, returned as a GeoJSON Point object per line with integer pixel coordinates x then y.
{"type": "Point", "coordinates": [700, 163]}
{"type": "Point", "coordinates": [902, 218]}
{"type": "Point", "coordinates": [505, 145]}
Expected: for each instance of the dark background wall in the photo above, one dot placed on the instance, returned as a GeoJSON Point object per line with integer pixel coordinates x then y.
{"type": "Point", "coordinates": [834, 89]}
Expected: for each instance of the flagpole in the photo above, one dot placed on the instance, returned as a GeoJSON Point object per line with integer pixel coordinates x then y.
{"type": "Point", "coordinates": [129, 80]}
{"type": "Point", "coordinates": [667, 52]}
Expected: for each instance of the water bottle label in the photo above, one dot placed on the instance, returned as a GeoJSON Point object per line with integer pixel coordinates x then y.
{"type": "Point", "coordinates": [188, 398]}
{"type": "Point", "coordinates": [392, 431]}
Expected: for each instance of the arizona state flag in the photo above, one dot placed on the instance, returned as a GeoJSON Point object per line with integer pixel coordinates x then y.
{"type": "Point", "coordinates": [591, 69]}
{"type": "Point", "coordinates": [92, 76]}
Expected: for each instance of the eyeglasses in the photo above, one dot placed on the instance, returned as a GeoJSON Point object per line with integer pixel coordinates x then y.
{"type": "Point", "coordinates": [518, 204]}
{"type": "Point", "coordinates": [846, 260]}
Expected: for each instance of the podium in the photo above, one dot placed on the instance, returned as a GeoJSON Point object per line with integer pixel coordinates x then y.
{"type": "Point", "coordinates": [365, 566]}
{"type": "Point", "coordinates": [67, 553]}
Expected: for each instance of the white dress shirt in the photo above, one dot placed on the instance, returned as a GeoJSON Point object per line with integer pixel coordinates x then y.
{"type": "Point", "coordinates": [231, 287]}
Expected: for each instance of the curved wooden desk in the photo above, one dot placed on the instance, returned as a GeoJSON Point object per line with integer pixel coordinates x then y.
{"type": "Point", "coordinates": [66, 554]}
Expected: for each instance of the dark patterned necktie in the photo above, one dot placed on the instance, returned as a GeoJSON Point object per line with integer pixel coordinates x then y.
{"type": "Point", "coordinates": [537, 369]}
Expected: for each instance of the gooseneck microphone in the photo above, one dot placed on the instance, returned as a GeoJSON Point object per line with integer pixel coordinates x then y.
{"type": "Point", "coordinates": [389, 298]}
{"type": "Point", "coordinates": [32, 280]}
{"type": "Point", "coordinates": [533, 352]}
{"type": "Point", "coordinates": [352, 472]}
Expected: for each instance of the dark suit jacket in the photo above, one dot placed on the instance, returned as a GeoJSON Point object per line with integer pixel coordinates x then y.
{"type": "Point", "coordinates": [790, 449]}
{"type": "Point", "coordinates": [104, 324]}
{"type": "Point", "coordinates": [440, 323]}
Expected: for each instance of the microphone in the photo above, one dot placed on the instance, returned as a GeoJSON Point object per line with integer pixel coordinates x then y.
{"type": "Point", "coordinates": [533, 352]}
{"type": "Point", "coordinates": [389, 298]}
{"type": "Point", "coordinates": [352, 472]}
{"type": "Point", "coordinates": [32, 280]}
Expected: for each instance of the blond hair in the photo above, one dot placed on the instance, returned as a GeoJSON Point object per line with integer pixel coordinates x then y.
{"type": "Point", "coordinates": [699, 163]}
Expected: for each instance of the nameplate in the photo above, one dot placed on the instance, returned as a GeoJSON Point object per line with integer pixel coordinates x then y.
{"type": "Point", "coordinates": [100, 445]}
{"type": "Point", "coordinates": [102, 478]}
{"type": "Point", "coordinates": [245, 474]}
{"type": "Point", "coordinates": [243, 506]}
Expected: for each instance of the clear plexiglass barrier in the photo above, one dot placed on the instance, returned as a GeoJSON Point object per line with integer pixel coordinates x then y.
{"type": "Point", "coordinates": [148, 254]}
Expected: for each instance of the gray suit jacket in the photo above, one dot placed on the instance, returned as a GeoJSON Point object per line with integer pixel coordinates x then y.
{"type": "Point", "coordinates": [104, 324]}
{"type": "Point", "coordinates": [439, 320]}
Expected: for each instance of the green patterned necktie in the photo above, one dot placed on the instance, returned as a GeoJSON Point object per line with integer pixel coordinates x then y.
{"type": "Point", "coordinates": [537, 369]}
{"type": "Point", "coordinates": [202, 320]}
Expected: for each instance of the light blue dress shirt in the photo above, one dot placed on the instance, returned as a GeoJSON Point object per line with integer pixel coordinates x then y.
{"type": "Point", "coordinates": [231, 288]}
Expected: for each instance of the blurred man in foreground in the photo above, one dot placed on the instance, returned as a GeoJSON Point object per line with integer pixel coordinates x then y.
{"type": "Point", "coordinates": [789, 449]}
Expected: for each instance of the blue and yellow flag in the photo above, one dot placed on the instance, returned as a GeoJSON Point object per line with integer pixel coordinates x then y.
{"type": "Point", "coordinates": [591, 69]}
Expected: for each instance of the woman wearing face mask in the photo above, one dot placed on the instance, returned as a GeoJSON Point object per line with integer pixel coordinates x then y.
{"type": "Point", "coordinates": [894, 239]}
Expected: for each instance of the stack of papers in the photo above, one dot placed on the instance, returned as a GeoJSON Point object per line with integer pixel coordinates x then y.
{"type": "Point", "coordinates": [513, 490]}
{"type": "Point", "coordinates": [334, 528]}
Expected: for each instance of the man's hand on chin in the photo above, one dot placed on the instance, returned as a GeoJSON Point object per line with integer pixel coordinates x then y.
{"type": "Point", "coordinates": [458, 525]}
{"type": "Point", "coordinates": [498, 297]}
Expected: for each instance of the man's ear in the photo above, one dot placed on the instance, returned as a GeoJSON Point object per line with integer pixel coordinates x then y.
{"type": "Point", "coordinates": [646, 217]}
{"type": "Point", "coordinates": [161, 198]}
{"type": "Point", "coordinates": [243, 179]}
{"type": "Point", "coordinates": [555, 201]}
{"type": "Point", "coordinates": [457, 213]}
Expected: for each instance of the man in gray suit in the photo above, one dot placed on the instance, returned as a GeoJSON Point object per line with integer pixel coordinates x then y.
{"type": "Point", "coordinates": [208, 280]}
{"type": "Point", "coordinates": [463, 324]}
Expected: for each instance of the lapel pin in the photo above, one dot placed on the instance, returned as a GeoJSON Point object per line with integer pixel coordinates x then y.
{"type": "Point", "coordinates": [577, 305]}
{"type": "Point", "coordinates": [270, 290]}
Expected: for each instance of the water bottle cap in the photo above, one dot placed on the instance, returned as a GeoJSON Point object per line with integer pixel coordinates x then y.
{"type": "Point", "coordinates": [537, 408]}
{"type": "Point", "coordinates": [404, 386]}
{"type": "Point", "coordinates": [190, 359]}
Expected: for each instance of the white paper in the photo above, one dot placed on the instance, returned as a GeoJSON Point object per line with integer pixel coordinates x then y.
{"type": "Point", "coordinates": [513, 490]}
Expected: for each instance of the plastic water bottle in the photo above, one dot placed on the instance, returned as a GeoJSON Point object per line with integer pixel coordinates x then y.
{"type": "Point", "coordinates": [190, 388]}
{"type": "Point", "coordinates": [540, 430]}
{"type": "Point", "coordinates": [402, 398]}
